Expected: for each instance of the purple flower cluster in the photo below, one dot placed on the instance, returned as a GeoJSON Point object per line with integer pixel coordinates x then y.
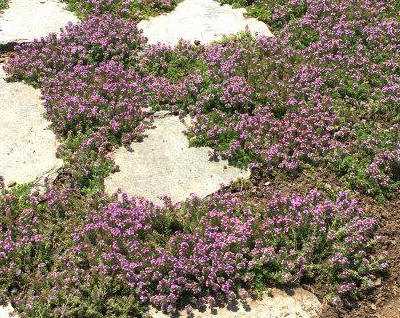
{"type": "Point", "coordinates": [262, 103]}
{"type": "Point", "coordinates": [287, 143]}
{"type": "Point", "coordinates": [95, 40]}
{"type": "Point", "coordinates": [86, 81]}
{"type": "Point", "coordinates": [209, 252]}
{"type": "Point", "coordinates": [77, 254]}
{"type": "Point", "coordinates": [107, 98]}
{"type": "Point", "coordinates": [342, 55]}
{"type": "Point", "coordinates": [17, 233]}
{"type": "Point", "coordinates": [385, 168]}
{"type": "Point", "coordinates": [325, 89]}
{"type": "Point", "coordinates": [23, 236]}
{"type": "Point", "coordinates": [37, 268]}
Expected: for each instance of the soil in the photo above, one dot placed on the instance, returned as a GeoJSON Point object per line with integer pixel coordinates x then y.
{"type": "Point", "coordinates": [384, 301]}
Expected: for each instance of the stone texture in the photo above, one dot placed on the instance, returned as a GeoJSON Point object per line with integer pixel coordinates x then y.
{"type": "Point", "coordinates": [164, 164]}
{"type": "Point", "coordinates": [5, 312]}
{"type": "Point", "coordinates": [27, 146]}
{"type": "Point", "coordinates": [202, 20]}
{"type": "Point", "coordinates": [301, 304]}
{"type": "Point", "coordinates": [25, 20]}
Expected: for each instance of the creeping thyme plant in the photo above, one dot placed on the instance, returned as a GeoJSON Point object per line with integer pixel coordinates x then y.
{"type": "Point", "coordinates": [132, 9]}
{"type": "Point", "coordinates": [3, 5]}
{"type": "Point", "coordinates": [323, 94]}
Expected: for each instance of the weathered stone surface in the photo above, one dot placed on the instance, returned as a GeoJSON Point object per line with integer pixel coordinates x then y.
{"type": "Point", "coordinates": [27, 146]}
{"type": "Point", "coordinates": [25, 20]}
{"type": "Point", "coordinates": [5, 312]}
{"type": "Point", "coordinates": [202, 20]}
{"type": "Point", "coordinates": [164, 164]}
{"type": "Point", "coordinates": [302, 304]}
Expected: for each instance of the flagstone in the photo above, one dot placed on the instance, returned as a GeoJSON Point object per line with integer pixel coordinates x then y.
{"type": "Point", "coordinates": [278, 304]}
{"type": "Point", "coordinates": [26, 20]}
{"type": "Point", "coordinates": [27, 146]}
{"type": "Point", "coordinates": [6, 312]}
{"type": "Point", "coordinates": [200, 20]}
{"type": "Point", "coordinates": [164, 164]}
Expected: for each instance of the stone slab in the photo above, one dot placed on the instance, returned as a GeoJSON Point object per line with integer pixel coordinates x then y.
{"type": "Point", "coordinates": [26, 20]}
{"type": "Point", "coordinates": [164, 164]}
{"type": "Point", "coordinates": [27, 146]}
{"type": "Point", "coordinates": [201, 20]}
{"type": "Point", "coordinates": [6, 312]}
{"type": "Point", "coordinates": [300, 304]}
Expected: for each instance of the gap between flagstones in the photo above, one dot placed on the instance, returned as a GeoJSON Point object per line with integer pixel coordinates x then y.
{"type": "Point", "coordinates": [163, 164]}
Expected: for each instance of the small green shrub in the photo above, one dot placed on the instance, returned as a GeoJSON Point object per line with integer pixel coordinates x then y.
{"type": "Point", "coordinates": [3, 4]}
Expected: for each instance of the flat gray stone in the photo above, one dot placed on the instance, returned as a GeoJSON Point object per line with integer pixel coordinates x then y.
{"type": "Point", "coordinates": [26, 20]}
{"type": "Point", "coordinates": [164, 164]}
{"type": "Point", "coordinates": [302, 304]}
{"type": "Point", "coordinates": [5, 312]}
{"type": "Point", "coordinates": [27, 146]}
{"type": "Point", "coordinates": [202, 20]}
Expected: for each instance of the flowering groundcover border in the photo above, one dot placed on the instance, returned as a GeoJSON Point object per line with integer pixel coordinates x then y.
{"type": "Point", "coordinates": [314, 97]}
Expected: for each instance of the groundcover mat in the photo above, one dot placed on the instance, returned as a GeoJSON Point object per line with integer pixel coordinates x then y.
{"type": "Point", "coordinates": [313, 112]}
{"type": "Point", "coordinates": [3, 4]}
